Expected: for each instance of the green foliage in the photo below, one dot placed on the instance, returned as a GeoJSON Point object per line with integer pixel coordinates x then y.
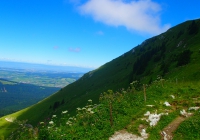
{"type": "Point", "coordinates": [93, 121]}
{"type": "Point", "coordinates": [180, 33]}
{"type": "Point", "coordinates": [56, 105]}
{"type": "Point", "coordinates": [164, 121]}
{"type": "Point", "coordinates": [184, 58]}
{"type": "Point", "coordinates": [189, 129]}
{"type": "Point", "coordinates": [193, 28]}
{"type": "Point", "coordinates": [164, 67]}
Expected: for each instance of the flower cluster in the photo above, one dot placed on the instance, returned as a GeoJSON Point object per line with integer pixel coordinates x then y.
{"type": "Point", "coordinates": [51, 122]}
{"type": "Point", "coordinates": [64, 112]}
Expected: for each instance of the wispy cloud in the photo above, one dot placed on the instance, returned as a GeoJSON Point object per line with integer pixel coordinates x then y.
{"type": "Point", "coordinates": [74, 49]}
{"type": "Point", "coordinates": [49, 61]}
{"type": "Point", "coordinates": [100, 33]}
{"type": "Point", "coordinates": [137, 15]}
{"type": "Point", "coordinates": [55, 47]}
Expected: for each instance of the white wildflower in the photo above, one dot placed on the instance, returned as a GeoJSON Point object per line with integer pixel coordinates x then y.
{"type": "Point", "coordinates": [89, 100]}
{"type": "Point", "coordinates": [70, 118]}
{"type": "Point", "coordinates": [91, 112]}
{"type": "Point", "coordinates": [51, 122]}
{"type": "Point", "coordinates": [64, 112]}
{"type": "Point", "coordinates": [89, 109]}
{"type": "Point", "coordinates": [54, 116]}
{"type": "Point", "coordinates": [78, 108]}
{"type": "Point", "coordinates": [68, 122]}
{"type": "Point", "coordinates": [41, 122]}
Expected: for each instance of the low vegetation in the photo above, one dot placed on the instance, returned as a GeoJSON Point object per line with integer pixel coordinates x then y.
{"type": "Point", "coordinates": [123, 110]}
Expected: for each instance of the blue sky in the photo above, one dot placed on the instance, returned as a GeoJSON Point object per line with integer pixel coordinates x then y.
{"type": "Point", "coordinates": [85, 33]}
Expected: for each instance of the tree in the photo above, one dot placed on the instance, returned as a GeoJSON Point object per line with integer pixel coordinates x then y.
{"type": "Point", "coordinates": [184, 58]}
{"type": "Point", "coordinates": [193, 28]}
{"type": "Point", "coordinates": [56, 105]}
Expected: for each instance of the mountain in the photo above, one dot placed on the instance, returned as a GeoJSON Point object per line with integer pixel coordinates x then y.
{"type": "Point", "coordinates": [173, 55]}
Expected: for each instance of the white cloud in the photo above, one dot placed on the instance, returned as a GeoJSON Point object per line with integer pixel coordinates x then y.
{"type": "Point", "coordinates": [137, 15]}
{"type": "Point", "coordinates": [74, 49]}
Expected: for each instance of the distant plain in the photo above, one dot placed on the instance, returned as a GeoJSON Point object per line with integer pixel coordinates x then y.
{"type": "Point", "coordinates": [20, 88]}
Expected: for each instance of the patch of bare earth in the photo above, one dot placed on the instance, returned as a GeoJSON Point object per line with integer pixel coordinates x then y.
{"type": "Point", "coordinates": [124, 135]}
{"type": "Point", "coordinates": [167, 132]}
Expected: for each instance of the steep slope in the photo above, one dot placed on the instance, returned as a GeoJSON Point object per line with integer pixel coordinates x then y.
{"type": "Point", "coordinates": [16, 96]}
{"type": "Point", "coordinates": [174, 54]}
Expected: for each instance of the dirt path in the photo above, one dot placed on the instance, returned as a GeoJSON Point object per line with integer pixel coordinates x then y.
{"type": "Point", "coordinates": [167, 132]}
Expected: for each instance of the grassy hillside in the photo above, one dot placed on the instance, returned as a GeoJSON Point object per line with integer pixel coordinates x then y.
{"type": "Point", "coordinates": [127, 110]}
{"type": "Point", "coordinates": [173, 55]}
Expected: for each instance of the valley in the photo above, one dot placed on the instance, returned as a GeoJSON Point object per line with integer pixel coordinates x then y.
{"type": "Point", "coordinates": [38, 77]}
{"type": "Point", "coordinates": [20, 88]}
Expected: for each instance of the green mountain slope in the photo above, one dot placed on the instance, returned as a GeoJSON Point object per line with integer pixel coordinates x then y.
{"type": "Point", "coordinates": [173, 55]}
{"type": "Point", "coordinates": [16, 96]}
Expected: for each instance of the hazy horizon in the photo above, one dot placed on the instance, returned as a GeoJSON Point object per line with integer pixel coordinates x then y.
{"type": "Point", "coordinates": [43, 67]}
